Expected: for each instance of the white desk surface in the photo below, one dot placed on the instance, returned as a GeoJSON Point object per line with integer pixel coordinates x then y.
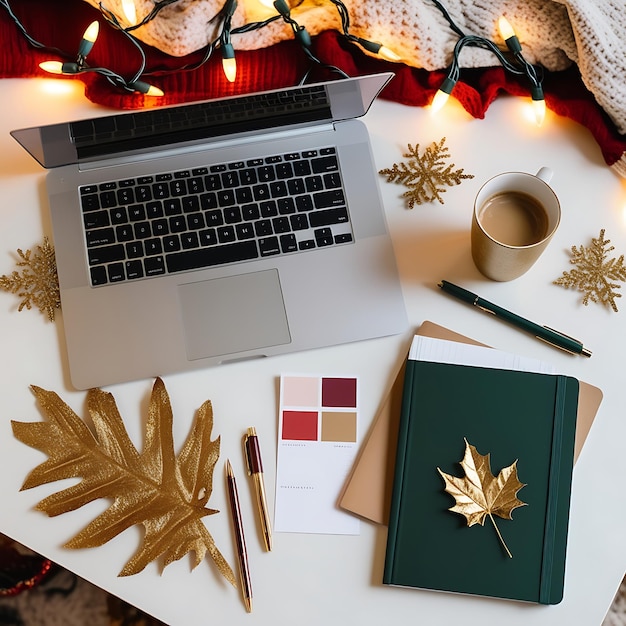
{"type": "Point", "coordinates": [313, 579]}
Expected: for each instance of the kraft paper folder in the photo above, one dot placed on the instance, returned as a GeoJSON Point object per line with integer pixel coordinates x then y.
{"type": "Point", "coordinates": [367, 492]}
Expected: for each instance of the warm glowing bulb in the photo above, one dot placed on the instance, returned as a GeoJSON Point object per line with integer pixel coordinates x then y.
{"type": "Point", "coordinates": [506, 30]}
{"type": "Point", "coordinates": [539, 109]}
{"type": "Point", "coordinates": [230, 69]}
{"type": "Point", "coordinates": [54, 67]}
{"type": "Point", "coordinates": [388, 54]}
{"type": "Point", "coordinates": [229, 64]}
{"type": "Point", "coordinates": [57, 67]}
{"type": "Point", "coordinates": [128, 6]}
{"type": "Point", "coordinates": [91, 34]}
{"type": "Point", "coordinates": [267, 3]}
{"type": "Point", "coordinates": [145, 88]}
{"type": "Point", "coordinates": [154, 91]}
{"type": "Point", "coordinates": [441, 97]}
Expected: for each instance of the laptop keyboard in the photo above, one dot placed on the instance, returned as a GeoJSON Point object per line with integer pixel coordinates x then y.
{"type": "Point", "coordinates": [227, 213]}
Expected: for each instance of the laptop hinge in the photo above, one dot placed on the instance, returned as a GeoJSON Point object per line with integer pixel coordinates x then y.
{"type": "Point", "coordinates": [204, 144]}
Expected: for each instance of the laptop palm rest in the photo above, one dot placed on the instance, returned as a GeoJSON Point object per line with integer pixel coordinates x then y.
{"type": "Point", "coordinates": [234, 314]}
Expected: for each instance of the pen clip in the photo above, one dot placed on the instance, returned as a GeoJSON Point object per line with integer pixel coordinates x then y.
{"type": "Point", "coordinates": [558, 332]}
{"type": "Point", "coordinates": [556, 345]}
{"type": "Point", "coordinates": [252, 453]}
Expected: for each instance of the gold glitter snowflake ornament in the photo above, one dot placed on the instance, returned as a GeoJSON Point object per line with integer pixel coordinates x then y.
{"type": "Point", "coordinates": [37, 282]}
{"type": "Point", "coordinates": [425, 175]}
{"type": "Point", "coordinates": [594, 273]}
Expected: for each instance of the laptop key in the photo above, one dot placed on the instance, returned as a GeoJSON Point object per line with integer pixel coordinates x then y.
{"type": "Point", "coordinates": [96, 219]}
{"type": "Point", "coordinates": [134, 269]}
{"type": "Point", "coordinates": [189, 241]}
{"type": "Point", "coordinates": [116, 272]}
{"type": "Point", "coordinates": [324, 164]}
{"type": "Point", "coordinates": [106, 254]}
{"type": "Point", "coordinates": [154, 266]}
{"type": "Point", "coordinates": [325, 199]}
{"type": "Point", "coordinates": [98, 275]}
{"type": "Point", "coordinates": [119, 216]}
{"type": "Point", "coordinates": [343, 238]}
{"type": "Point", "coordinates": [288, 243]}
{"type": "Point", "coordinates": [216, 255]}
{"type": "Point", "coordinates": [324, 237]}
{"type": "Point", "coordinates": [90, 202]}
{"type": "Point", "coordinates": [269, 246]}
{"type": "Point", "coordinates": [100, 237]}
{"type": "Point", "coordinates": [328, 217]}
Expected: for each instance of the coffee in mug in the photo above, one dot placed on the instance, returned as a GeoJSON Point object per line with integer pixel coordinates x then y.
{"type": "Point", "coordinates": [515, 216]}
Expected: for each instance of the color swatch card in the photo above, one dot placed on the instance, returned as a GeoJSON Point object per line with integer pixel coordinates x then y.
{"type": "Point", "coordinates": [317, 445]}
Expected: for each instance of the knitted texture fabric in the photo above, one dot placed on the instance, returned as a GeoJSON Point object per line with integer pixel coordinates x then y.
{"type": "Point", "coordinates": [553, 33]}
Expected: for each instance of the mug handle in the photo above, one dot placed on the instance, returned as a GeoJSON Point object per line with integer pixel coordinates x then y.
{"type": "Point", "coordinates": [545, 174]}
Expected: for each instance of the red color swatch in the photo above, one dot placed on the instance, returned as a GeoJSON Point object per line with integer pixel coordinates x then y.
{"type": "Point", "coordinates": [300, 425]}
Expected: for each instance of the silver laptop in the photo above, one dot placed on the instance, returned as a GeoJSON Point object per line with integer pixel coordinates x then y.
{"type": "Point", "coordinates": [220, 231]}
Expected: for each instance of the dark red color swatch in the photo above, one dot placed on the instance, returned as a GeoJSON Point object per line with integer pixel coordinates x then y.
{"type": "Point", "coordinates": [339, 392]}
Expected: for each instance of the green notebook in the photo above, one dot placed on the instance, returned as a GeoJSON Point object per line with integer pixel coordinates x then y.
{"type": "Point", "coordinates": [513, 416]}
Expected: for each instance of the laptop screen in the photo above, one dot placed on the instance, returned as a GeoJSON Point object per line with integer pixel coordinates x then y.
{"type": "Point", "coordinates": [214, 118]}
{"type": "Point", "coordinates": [113, 135]}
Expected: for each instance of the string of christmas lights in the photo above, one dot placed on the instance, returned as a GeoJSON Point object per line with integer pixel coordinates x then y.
{"type": "Point", "coordinates": [518, 66]}
{"type": "Point", "coordinates": [511, 59]}
{"type": "Point", "coordinates": [78, 64]}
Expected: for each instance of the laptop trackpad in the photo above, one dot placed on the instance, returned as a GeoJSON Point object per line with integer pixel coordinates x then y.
{"type": "Point", "coordinates": [234, 314]}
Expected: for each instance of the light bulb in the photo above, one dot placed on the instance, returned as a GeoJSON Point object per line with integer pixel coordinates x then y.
{"type": "Point", "coordinates": [89, 38]}
{"type": "Point", "coordinates": [91, 34]}
{"type": "Point", "coordinates": [506, 30]}
{"type": "Point", "coordinates": [377, 48]}
{"type": "Point", "coordinates": [539, 104]}
{"type": "Point", "coordinates": [128, 6]}
{"type": "Point", "coordinates": [154, 91]}
{"type": "Point", "coordinates": [388, 54]}
{"type": "Point", "coordinates": [145, 88]}
{"type": "Point", "coordinates": [442, 95]}
{"type": "Point", "coordinates": [509, 36]}
{"type": "Point", "coordinates": [229, 64]}
{"type": "Point", "coordinates": [539, 109]}
{"type": "Point", "coordinates": [57, 67]}
{"type": "Point", "coordinates": [54, 67]}
{"type": "Point", "coordinates": [230, 69]}
{"type": "Point", "coordinates": [439, 101]}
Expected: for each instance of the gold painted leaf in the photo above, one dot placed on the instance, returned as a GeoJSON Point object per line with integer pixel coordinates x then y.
{"type": "Point", "coordinates": [155, 488]}
{"type": "Point", "coordinates": [480, 494]}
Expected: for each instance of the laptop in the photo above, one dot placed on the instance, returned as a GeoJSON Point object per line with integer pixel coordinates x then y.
{"type": "Point", "coordinates": [218, 231]}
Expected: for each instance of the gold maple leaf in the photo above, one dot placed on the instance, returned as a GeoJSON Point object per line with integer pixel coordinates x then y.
{"type": "Point", "coordinates": [480, 494]}
{"type": "Point", "coordinates": [165, 493]}
{"type": "Point", "coordinates": [37, 283]}
{"type": "Point", "coordinates": [425, 175]}
{"type": "Point", "coordinates": [594, 273]}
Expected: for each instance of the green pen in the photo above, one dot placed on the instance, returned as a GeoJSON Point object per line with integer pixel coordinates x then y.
{"type": "Point", "coordinates": [549, 335]}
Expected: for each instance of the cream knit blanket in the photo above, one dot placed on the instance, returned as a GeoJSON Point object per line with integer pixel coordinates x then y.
{"type": "Point", "coordinates": [553, 33]}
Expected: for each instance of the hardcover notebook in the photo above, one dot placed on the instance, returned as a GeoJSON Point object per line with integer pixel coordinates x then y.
{"type": "Point", "coordinates": [513, 416]}
{"type": "Point", "coordinates": [218, 231]}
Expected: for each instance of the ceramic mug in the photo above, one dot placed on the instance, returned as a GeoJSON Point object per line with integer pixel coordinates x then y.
{"type": "Point", "coordinates": [515, 216]}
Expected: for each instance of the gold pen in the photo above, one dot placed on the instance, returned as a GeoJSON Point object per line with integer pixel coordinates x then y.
{"type": "Point", "coordinates": [255, 469]}
{"type": "Point", "coordinates": [242, 553]}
